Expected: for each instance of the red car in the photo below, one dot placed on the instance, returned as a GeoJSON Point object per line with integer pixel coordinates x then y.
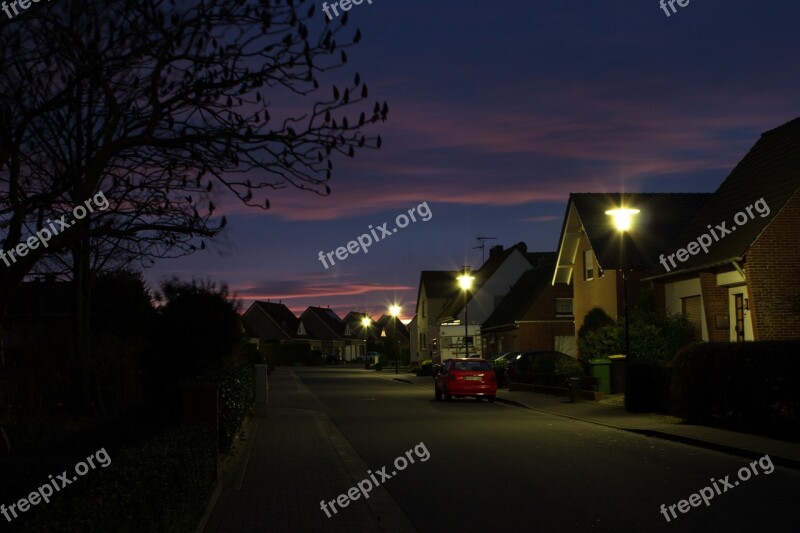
{"type": "Point", "coordinates": [466, 377]}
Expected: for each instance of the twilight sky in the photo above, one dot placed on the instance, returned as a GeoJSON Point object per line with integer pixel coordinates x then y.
{"type": "Point", "coordinates": [498, 110]}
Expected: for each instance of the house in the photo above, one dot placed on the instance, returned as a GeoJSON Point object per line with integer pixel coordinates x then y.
{"type": "Point", "coordinates": [436, 289]}
{"type": "Point", "coordinates": [413, 339]}
{"type": "Point", "coordinates": [591, 252]}
{"type": "Point", "coordinates": [534, 315]}
{"type": "Point", "coordinates": [356, 335]}
{"type": "Point", "coordinates": [325, 329]}
{"type": "Point", "coordinates": [394, 335]}
{"type": "Point", "coordinates": [492, 282]}
{"type": "Point", "coordinates": [742, 285]}
{"type": "Point", "coordinates": [271, 322]}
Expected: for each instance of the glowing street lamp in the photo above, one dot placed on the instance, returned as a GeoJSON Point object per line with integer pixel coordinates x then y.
{"type": "Point", "coordinates": [465, 282]}
{"type": "Point", "coordinates": [365, 323]}
{"type": "Point", "coordinates": [394, 310]}
{"type": "Point", "coordinates": [623, 220]}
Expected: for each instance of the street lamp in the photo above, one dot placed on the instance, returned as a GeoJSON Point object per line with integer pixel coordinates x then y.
{"type": "Point", "coordinates": [465, 282]}
{"type": "Point", "coordinates": [394, 310]}
{"type": "Point", "coordinates": [365, 323]}
{"type": "Point", "coordinates": [623, 220]}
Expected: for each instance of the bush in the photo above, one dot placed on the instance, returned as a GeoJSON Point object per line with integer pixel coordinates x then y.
{"type": "Point", "coordinates": [237, 394]}
{"type": "Point", "coordinates": [425, 368]}
{"type": "Point", "coordinates": [745, 386]}
{"type": "Point", "coordinates": [162, 484]}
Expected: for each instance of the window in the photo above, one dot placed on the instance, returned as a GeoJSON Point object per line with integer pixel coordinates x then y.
{"type": "Point", "coordinates": [588, 265]}
{"type": "Point", "coordinates": [423, 342]}
{"type": "Point", "coordinates": [424, 307]}
{"type": "Point", "coordinates": [564, 306]}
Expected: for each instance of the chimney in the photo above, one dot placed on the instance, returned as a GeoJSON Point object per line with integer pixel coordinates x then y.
{"type": "Point", "coordinates": [522, 247]}
{"type": "Point", "coordinates": [495, 250]}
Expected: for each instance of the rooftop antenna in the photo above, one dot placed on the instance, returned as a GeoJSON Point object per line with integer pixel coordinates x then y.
{"type": "Point", "coordinates": [482, 246]}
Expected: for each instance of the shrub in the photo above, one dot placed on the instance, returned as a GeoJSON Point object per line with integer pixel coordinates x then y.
{"type": "Point", "coordinates": [162, 484]}
{"type": "Point", "coordinates": [237, 393]}
{"type": "Point", "coordinates": [747, 385]}
{"type": "Point", "coordinates": [425, 368]}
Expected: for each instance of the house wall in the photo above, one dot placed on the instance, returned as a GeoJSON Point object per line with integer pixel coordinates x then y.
{"type": "Point", "coordinates": [675, 290]}
{"type": "Point", "coordinates": [597, 292]}
{"type": "Point", "coordinates": [428, 309]}
{"type": "Point", "coordinates": [715, 302]}
{"type": "Point", "coordinates": [772, 269]}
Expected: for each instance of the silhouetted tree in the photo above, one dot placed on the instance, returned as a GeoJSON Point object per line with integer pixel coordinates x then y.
{"type": "Point", "coordinates": [165, 108]}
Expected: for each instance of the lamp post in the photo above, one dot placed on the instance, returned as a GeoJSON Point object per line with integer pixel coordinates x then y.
{"type": "Point", "coordinates": [465, 282]}
{"type": "Point", "coordinates": [365, 322]}
{"type": "Point", "coordinates": [394, 310]}
{"type": "Point", "coordinates": [623, 220]}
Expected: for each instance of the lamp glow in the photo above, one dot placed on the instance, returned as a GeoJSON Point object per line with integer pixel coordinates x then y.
{"type": "Point", "coordinates": [623, 217]}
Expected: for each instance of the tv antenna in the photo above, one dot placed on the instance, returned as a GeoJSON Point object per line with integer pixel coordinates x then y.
{"type": "Point", "coordinates": [482, 246]}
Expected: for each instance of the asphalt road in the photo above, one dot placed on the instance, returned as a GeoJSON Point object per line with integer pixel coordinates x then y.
{"type": "Point", "coordinates": [495, 467]}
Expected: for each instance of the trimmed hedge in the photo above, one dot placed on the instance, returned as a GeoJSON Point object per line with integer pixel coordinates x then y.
{"type": "Point", "coordinates": [161, 485]}
{"type": "Point", "coordinates": [747, 385]}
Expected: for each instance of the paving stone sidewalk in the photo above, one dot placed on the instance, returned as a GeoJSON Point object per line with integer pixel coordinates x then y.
{"type": "Point", "coordinates": [289, 460]}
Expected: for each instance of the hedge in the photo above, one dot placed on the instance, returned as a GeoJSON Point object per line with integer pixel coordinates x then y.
{"type": "Point", "coordinates": [648, 388]}
{"type": "Point", "coordinates": [747, 386]}
{"type": "Point", "coordinates": [163, 484]}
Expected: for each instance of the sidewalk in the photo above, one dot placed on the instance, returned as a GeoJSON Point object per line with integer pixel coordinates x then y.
{"type": "Point", "coordinates": [752, 446]}
{"type": "Point", "coordinates": [287, 462]}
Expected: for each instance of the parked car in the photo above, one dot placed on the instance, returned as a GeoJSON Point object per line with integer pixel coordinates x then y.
{"type": "Point", "coordinates": [330, 358]}
{"type": "Point", "coordinates": [466, 377]}
{"type": "Point", "coordinates": [523, 363]}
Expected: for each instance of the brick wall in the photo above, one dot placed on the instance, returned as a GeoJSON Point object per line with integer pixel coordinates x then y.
{"type": "Point", "coordinates": [772, 270]}
{"type": "Point", "coordinates": [715, 302]}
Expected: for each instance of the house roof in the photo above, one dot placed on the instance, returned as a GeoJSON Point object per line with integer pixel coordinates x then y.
{"type": "Point", "coordinates": [522, 295]}
{"type": "Point", "coordinates": [328, 325]}
{"type": "Point", "coordinates": [353, 321]}
{"type": "Point", "coordinates": [484, 273]}
{"type": "Point", "coordinates": [661, 219]}
{"type": "Point", "coordinates": [770, 170]}
{"type": "Point", "coordinates": [280, 315]}
{"type": "Point", "coordinates": [385, 323]}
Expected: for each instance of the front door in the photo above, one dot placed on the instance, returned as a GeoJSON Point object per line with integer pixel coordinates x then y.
{"type": "Point", "coordinates": [738, 305]}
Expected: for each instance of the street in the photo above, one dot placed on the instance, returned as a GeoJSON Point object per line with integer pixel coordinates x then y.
{"type": "Point", "coordinates": [501, 467]}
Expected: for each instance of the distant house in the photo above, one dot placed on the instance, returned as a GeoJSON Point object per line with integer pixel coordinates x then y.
{"type": "Point", "coordinates": [589, 253]}
{"type": "Point", "coordinates": [356, 335]}
{"type": "Point", "coordinates": [534, 315]}
{"type": "Point", "coordinates": [493, 281]}
{"type": "Point", "coordinates": [413, 339]}
{"type": "Point", "coordinates": [745, 287]}
{"type": "Point", "coordinates": [272, 322]}
{"type": "Point", "coordinates": [436, 289]}
{"type": "Point", "coordinates": [326, 330]}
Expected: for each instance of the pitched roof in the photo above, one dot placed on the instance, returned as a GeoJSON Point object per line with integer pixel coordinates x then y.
{"type": "Point", "coordinates": [770, 170]}
{"type": "Point", "coordinates": [388, 324]}
{"type": "Point", "coordinates": [353, 321]}
{"type": "Point", "coordinates": [438, 283]}
{"type": "Point", "coordinates": [484, 273]}
{"type": "Point", "coordinates": [522, 295]}
{"type": "Point", "coordinates": [327, 326]}
{"type": "Point", "coordinates": [661, 219]}
{"type": "Point", "coordinates": [280, 315]}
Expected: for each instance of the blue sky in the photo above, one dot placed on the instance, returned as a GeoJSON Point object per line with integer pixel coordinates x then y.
{"type": "Point", "coordinates": [498, 110]}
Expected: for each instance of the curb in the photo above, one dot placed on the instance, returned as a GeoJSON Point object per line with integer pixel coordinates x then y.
{"type": "Point", "coordinates": [654, 433]}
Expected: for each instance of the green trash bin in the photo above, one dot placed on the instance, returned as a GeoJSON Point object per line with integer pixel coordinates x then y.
{"type": "Point", "coordinates": [601, 369]}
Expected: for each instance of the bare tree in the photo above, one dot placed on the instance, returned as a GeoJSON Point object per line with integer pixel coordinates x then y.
{"type": "Point", "coordinates": [165, 107]}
